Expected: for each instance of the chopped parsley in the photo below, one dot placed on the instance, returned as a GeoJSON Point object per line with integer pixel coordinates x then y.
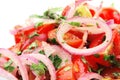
{"type": "Point", "coordinates": [53, 41]}
{"type": "Point", "coordinates": [39, 68]}
{"type": "Point", "coordinates": [75, 24]}
{"type": "Point", "coordinates": [56, 60]}
{"type": "Point", "coordinates": [33, 35]}
{"type": "Point", "coordinates": [112, 60]}
{"type": "Point", "coordinates": [37, 24]}
{"type": "Point", "coordinates": [19, 52]}
{"type": "Point", "coordinates": [42, 52]}
{"type": "Point", "coordinates": [8, 66]}
{"type": "Point", "coordinates": [33, 45]}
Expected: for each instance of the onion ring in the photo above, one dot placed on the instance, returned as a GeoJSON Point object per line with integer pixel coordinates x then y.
{"type": "Point", "coordinates": [7, 75]}
{"type": "Point", "coordinates": [65, 27]}
{"type": "Point", "coordinates": [16, 60]}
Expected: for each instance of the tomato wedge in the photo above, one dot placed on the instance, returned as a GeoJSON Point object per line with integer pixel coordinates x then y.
{"type": "Point", "coordinates": [65, 73]}
{"type": "Point", "coordinates": [116, 43]}
{"type": "Point", "coordinates": [110, 13]}
{"type": "Point", "coordinates": [69, 37]}
{"type": "Point", "coordinates": [93, 60]}
{"type": "Point", "coordinates": [23, 34]}
{"type": "Point", "coordinates": [79, 68]}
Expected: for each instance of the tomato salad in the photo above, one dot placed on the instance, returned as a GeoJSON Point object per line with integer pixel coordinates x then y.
{"type": "Point", "coordinates": [81, 43]}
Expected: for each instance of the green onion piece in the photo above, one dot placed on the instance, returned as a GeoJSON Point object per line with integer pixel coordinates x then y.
{"type": "Point", "coordinates": [42, 52]}
{"type": "Point", "coordinates": [33, 35]}
{"type": "Point", "coordinates": [39, 68]}
{"type": "Point", "coordinates": [37, 24]}
{"type": "Point", "coordinates": [75, 24]}
{"type": "Point", "coordinates": [8, 67]}
{"type": "Point", "coordinates": [56, 60]}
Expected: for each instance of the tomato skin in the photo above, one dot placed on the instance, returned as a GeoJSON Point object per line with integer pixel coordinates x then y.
{"type": "Point", "coordinates": [92, 12]}
{"type": "Point", "coordinates": [79, 68]}
{"type": "Point", "coordinates": [116, 43]}
{"type": "Point", "coordinates": [110, 13]}
{"type": "Point", "coordinates": [98, 40]}
{"type": "Point", "coordinates": [92, 60]}
{"type": "Point", "coordinates": [23, 34]}
{"type": "Point", "coordinates": [65, 73]}
{"type": "Point", "coordinates": [70, 38]}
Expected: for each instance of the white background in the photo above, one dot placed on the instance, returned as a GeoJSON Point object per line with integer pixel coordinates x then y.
{"type": "Point", "coordinates": [13, 12]}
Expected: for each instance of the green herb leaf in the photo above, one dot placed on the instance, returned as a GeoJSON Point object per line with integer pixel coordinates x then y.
{"type": "Point", "coordinates": [42, 52]}
{"type": "Point", "coordinates": [8, 67]}
{"type": "Point", "coordinates": [52, 14]}
{"type": "Point", "coordinates": [53, 41]}
{"type": "Point", "coordinates": [33, 45]}
{"type": "Point", "coordinates": [75, 24]}
{"type": "Point", "coordinates": [56, 60]}
{"type": "Point", "coordinates": [19, 52]}
{"type": "Point", "coordinates": [112, 60]}
{"type": "Point", "coordinates": [38, 24]}
{"type": "Point", "coordinates": [39, 68]}
{"type": "Point", "coordinates": [33, 35]}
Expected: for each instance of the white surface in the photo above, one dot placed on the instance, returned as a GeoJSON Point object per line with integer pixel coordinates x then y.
{"type": "Point", "coordinates": [13, 12]}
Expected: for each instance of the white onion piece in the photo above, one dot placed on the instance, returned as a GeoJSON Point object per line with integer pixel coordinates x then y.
{"type": "Point", "coordinates": [91, 30]}
{"type": "Point", "coordinates": [47, 48]}
{"type": "Point", "coordinates": [64, 55]}
{"type": "Point", "coordinates": [17, 61]}
{"type": "Point", "coordinates": [71, 12]}
{"type": "Point", "coordinates": [46, 61]}
{"type": "Point", "coordinates": [89, 76]}
{"type": "Point", "coordinates": [7, 75]}
{"type": "Point", "coordinates": [65, 27]}
{"type": "Point", "coordinates": [26, 59]}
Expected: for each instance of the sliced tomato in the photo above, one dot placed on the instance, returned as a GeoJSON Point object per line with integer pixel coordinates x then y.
{"type": "Point", "coordinates": [92, 12]}
{"type": "Point", "coordinates": [24, 33]}
{"type": "Point", "coordinates": [79, 68]}
{"type": "Point", "coordinates": [70, 38]}
{"type": "Point", "coordinates": [110, 13]}
{"type": "Point", "coordinates": [116, 43]}
{"type": "Point", "coordinates": [65, 73]}
{"type": "Point", "coordinates": [94, 60]}
{"type": "Point", "coordinates": [96, 41]}
{"type": "Point", "coordinates": [111, 72]}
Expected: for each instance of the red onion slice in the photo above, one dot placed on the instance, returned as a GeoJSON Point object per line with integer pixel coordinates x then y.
{"type": "Point", "coordinates": [17, 61]}
{"type": "Point", "coordinates": [7, 75]}
{"type": "Point", "coordinates": [46, 61]}
{"type": "Point", "coordinates": [89, 76]}
{"type": "Point", "coordinates": [65, 27]}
